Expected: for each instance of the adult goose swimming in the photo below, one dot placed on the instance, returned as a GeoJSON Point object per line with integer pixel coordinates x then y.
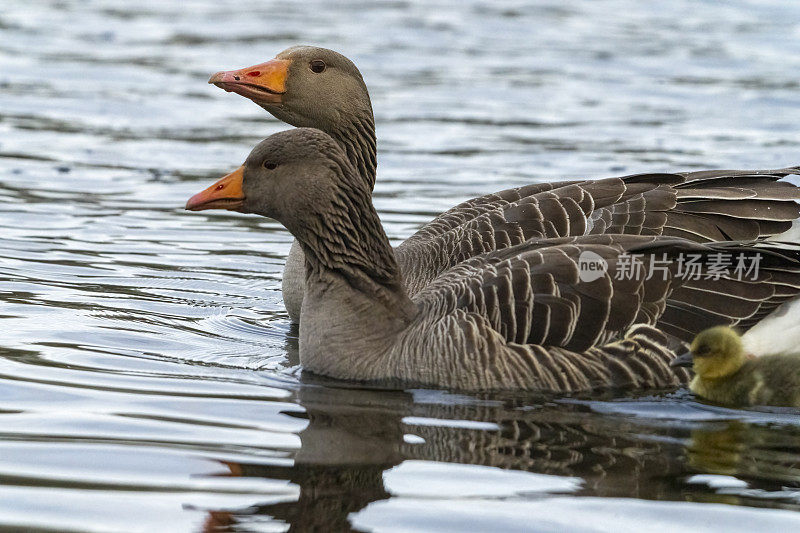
{"type": "Point", "coordinates": [308, 86]}
{"type": "Point", "coordinates": [518, 318]}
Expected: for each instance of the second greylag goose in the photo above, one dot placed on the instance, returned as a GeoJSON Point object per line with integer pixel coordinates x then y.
{"type": "Point", "coordinates": [315, 87]}
{"type": "Point", "coordinates": [518, 318]}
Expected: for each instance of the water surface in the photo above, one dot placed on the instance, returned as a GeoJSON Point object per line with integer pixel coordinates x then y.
{"type": "Point", "coordinates": [148, 370]}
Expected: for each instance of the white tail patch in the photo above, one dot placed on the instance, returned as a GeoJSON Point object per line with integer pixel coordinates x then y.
{"type": "Point", "coordinates": [778, 333]}
{"type": "Point", "coordinates": [790, 235]}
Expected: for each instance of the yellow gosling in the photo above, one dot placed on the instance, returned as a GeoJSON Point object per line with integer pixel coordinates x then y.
{"type": "Point", "coordinates": [726, 374]}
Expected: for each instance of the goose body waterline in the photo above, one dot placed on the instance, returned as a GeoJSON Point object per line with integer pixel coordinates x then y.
{"type": "Point", "coordinates": [726, 373]}
{"type": "Point", "coordinates": [520, 317]}
{"type": "Point", "coordinates": [315, 87]}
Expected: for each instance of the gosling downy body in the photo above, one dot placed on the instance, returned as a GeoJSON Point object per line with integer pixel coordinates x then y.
{"type": "Point", "coordinates": [516, 318]}
{"type": "Point", "coordinates": [727, 374]}
{"type": "Point", "coordinates": [315, 87]}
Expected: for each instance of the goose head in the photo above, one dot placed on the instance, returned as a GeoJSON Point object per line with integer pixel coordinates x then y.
{"type": "Point", "coordinates": [303, 179]}
{"type": "Point", "coordinates": [292, 177]}
{"type": "Point", "coordinates": [714, 353]}
{"type": "Point", "coordinates": [305, 86]}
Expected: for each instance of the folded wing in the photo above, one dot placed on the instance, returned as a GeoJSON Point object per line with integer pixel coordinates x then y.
{"type": "Point", "coordinates": [705, 206]}
{"type": "Point", "coordinates": [537, 316]}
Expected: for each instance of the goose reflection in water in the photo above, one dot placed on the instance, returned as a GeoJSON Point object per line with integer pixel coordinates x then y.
{"type": "Point", "coordinates": [364, 445]}
{"type": "Point", "coordinates": [751, 465]}
{"type": "Point", "coordinates": [358, 443]}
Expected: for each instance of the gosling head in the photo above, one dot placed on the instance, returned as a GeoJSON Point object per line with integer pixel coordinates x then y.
{"type": "Point", "coordinates": [715, 353]}
{"type": "Point", "coordinates": [291, 176]}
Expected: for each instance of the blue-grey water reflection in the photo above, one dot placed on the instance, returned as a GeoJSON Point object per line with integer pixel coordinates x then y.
{"type": "Point", "coordinates": [148, 374]}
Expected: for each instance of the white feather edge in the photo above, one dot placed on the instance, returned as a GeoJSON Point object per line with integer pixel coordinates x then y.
{"type": "Point", "coordinates": [779, 332]}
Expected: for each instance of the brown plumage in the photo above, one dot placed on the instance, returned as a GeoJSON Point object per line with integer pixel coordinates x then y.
{"type": "Point", "coordinates": [705, 206]}
{"type": "Point", "coordinates": [520, 317]}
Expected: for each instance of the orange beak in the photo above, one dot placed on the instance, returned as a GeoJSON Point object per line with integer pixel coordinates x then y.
{"type": "Point", "coordinates": [263, 84]}
{"type": "Point", "coordinates": [224, 194]}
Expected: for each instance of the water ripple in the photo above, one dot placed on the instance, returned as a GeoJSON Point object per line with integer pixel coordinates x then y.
{"type": "Point", "coordinates": [149, 375]}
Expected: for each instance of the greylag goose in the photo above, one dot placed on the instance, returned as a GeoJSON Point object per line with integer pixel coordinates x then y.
{"type": "Point", "coordinates": [314, 87]}
{"type": "Point", "coordinates": [728, 374]}
{"type": "Point", "coordinates": [521, 317]}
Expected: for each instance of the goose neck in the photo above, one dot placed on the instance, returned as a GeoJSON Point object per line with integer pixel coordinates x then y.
{"type": "Point", "coordinates": [356, 135]}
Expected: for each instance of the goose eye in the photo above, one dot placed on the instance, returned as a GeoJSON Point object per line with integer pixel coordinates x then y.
{"type": "Point", "coordinates": [270, 166]}
{"type": "Point", "coordinates": [317, 66]}
{"type": "Point", "coordinates": [701, 351]}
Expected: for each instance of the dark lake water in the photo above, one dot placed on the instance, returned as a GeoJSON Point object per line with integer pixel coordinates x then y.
{"type": "Point", "coordinates": [148, 370]}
